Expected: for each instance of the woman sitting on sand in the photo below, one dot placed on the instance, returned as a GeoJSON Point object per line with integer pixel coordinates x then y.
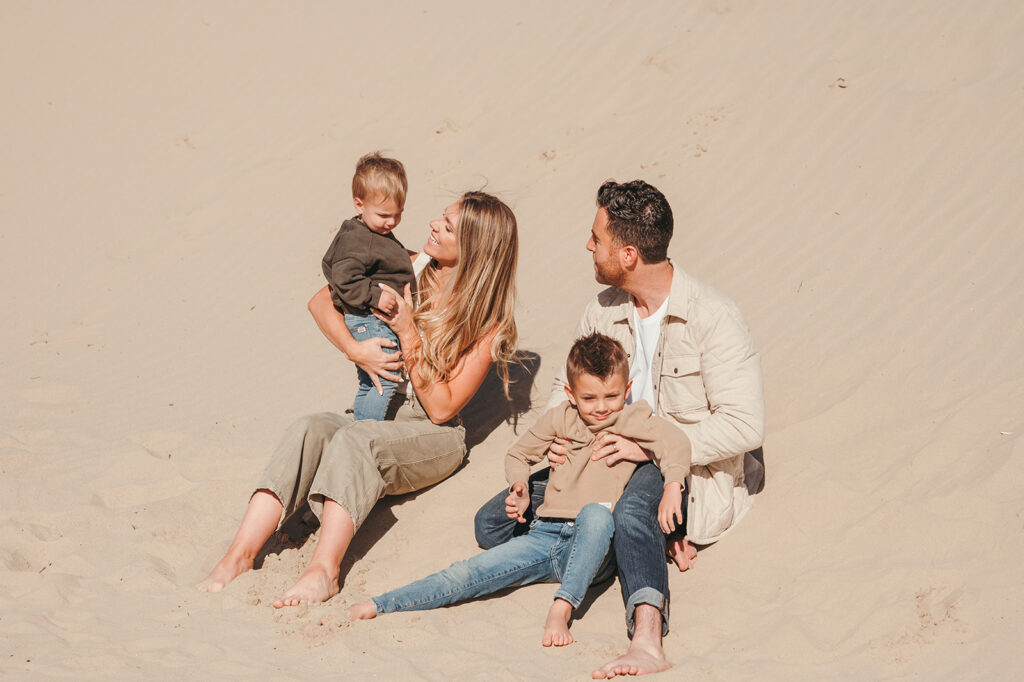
{"type": "Point", "coordinates": [463, 320]}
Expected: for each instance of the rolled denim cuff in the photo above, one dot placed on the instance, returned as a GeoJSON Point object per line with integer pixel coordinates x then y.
{"type": "Point", "coordinates": [646, 595]}
{"type": "Point", "coordinates": [573, 600]}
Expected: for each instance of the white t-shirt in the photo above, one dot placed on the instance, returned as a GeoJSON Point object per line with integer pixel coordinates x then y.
{"type": "Point", "coordinates": [422, 260]}
{"type": "Point", "coordinates": [646, 333]}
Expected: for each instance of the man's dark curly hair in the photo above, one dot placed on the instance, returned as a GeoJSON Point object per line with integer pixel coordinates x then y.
{"type": "Point", "coordinates": [639, 216]}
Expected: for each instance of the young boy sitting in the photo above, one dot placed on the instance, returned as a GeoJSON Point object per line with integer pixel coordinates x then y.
{"type": "Point", "coordinates": [363, 255]}
{"type": "Point", "coordinates": [570, 537]}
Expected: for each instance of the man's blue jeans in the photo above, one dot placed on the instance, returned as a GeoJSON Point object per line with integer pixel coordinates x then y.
{"type": "Point", "coordinates": [369, 404]}
{"type": "Point", "coordinates": [639, 543]}
{"type": "Point", "coordinates": [575, 553]}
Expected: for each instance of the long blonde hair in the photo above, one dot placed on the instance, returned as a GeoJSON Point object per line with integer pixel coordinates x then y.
{"type": "Point", "coordinates": [480, 297]}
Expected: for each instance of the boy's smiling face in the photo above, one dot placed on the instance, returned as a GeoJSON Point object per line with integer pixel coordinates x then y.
{"type": "Point", "coordinates": [596, 398]}
{"type": "Point", "coordinates": [380, 215]}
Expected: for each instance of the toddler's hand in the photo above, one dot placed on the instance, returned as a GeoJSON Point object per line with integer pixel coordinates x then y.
{"type": "Point", "coordinates": [388, 301]}
{"type": "Point", "coordinates": [517, 502]}
{"type": "Point", "coordinates": [670, 511]}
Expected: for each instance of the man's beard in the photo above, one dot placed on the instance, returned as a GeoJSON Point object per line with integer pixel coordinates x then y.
{"type": "Point", "coordinates": [609, 274]}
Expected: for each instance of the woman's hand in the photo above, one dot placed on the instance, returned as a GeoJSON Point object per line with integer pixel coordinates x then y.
{"type": "Point", "coordinates": [371, 355]}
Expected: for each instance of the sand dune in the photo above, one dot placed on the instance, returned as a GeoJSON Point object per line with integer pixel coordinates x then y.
{"type": "Point", "coordinates": [848, 172]}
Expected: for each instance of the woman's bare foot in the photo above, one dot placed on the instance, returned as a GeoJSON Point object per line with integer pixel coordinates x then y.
{"type": "Point", "coordinates": [682, 553]}
{"type": "Point", "coordinates": [260, 520]}
{"type": "Point", "coordinates": [556, 627]}
{"type": "Point", "coordinates": [315, 585]}
{"type": "Point", "coordinates": [364, 610]}
{"type": "Point", "coordinates": [226, 570]}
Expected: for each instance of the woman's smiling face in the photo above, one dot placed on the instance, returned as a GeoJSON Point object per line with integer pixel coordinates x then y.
{"type": "Point", "coordinates": [443, 243]}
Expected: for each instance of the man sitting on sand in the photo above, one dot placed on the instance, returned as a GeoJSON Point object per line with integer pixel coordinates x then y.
{"type": "Point", "coordinates": [693, 359]}
{"type": "Point", "coordinates": [569, 540]}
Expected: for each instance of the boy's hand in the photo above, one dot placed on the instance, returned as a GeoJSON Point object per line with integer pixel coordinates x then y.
{"type": "Point", "coordinates": [517, 502]}
{"type": "Point", "coordinates": [388, 302]}
{"type": "Point", "coordinates": [670, 511]}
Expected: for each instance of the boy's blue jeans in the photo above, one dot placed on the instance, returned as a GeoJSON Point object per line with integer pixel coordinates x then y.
{"type": "Point", "coordinates": [639, 544]}
{"type": "Point", "coordinates": [575, 553]}
{"type": "Point", "coordinates": [369, 404]}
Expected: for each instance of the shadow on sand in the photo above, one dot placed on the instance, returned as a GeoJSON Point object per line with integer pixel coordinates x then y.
{"type": "Point", "coordinates": [487, 410]}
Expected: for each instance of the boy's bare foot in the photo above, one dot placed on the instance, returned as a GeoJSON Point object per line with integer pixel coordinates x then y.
{"type": "Point", "coordinates": [315, 585]}
{"type": "Point", "coordinates": [364, 610]}
{"type": "Point", "coordinates": [682, 553]}
{"type": "Point", "coordinates": [226, 570]}
{"type": "Point", "coordinates": [556, 627]}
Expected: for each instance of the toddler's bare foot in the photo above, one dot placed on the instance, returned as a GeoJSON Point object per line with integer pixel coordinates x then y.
{"type": "Point", "coordinates": [364, 610]}
{"type": "Point", "coordinates": [682, 552]}
{"type": "Point", "coordinates": [226, 570]}
{"type": "Point", "coordinates": [556, 627]}
{"type": "Point", "coordinates": [313, 586]}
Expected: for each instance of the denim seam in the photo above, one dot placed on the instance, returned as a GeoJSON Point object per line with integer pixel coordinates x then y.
{"type": "Point", "coordinates": [467, 586]}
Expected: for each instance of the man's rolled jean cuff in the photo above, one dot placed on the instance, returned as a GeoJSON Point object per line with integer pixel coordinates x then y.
{"type": "Point", "coordinates": [646, 595]}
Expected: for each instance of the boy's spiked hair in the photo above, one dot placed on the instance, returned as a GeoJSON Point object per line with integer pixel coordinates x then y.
{"type": "Point", "coordinates": [598, 355]}
{"type": "Point", "coordinates": [378, 176]}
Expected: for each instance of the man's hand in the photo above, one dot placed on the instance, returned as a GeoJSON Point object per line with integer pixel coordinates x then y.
{"type": "Point", "coordinates": [614, 448]}
{"type": "Point", "coordinates": [517, 502]}
{"type": "Point", "coordinates": [557, 452]}
{"type": "Point", "coordinates": [670, 511]}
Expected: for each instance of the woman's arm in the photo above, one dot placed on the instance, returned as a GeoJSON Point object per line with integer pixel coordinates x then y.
{"type": "Point", "coordinates": [444, 399]}
{"type": "Point", "coordinates": [369, 355]}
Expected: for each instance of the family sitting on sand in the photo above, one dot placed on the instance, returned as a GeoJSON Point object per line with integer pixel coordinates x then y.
{"type": "Point", "coordinates": [624, 479]}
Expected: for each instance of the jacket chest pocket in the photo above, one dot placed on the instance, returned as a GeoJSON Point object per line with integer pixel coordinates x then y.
{"type": "Point", "coordinates": [682, 386]}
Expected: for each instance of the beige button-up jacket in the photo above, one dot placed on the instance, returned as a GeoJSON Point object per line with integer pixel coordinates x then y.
{"type": "Point", "coordinates": [708, 382]}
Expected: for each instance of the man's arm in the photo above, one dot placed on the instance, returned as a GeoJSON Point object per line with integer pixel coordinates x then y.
{"type": "Point", "coordinates": [371, 355]}
{"type": "Point", "coordinates": [731, 369]}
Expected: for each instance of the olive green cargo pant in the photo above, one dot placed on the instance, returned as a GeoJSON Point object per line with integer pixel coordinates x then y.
{"type": "Point", "coordinates": [355, 463]}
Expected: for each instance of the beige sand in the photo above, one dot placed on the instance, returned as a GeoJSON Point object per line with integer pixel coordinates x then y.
{"type": "Point", "coordinates": [849, 172]}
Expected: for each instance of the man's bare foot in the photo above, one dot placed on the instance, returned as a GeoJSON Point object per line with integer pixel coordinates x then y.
{"type": "Point", "coordinates": [313, 586]}
{"type": "Point", "coordinates": [556, 627]}
{"type": "Point", "coordinates": [682, 552]}
{"type": "Point", "coordinates": [364, 610]}
{"type": "Point", "coordinates": [641, 658]}
{"type": "Point", "coordinates": [226, 570]}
